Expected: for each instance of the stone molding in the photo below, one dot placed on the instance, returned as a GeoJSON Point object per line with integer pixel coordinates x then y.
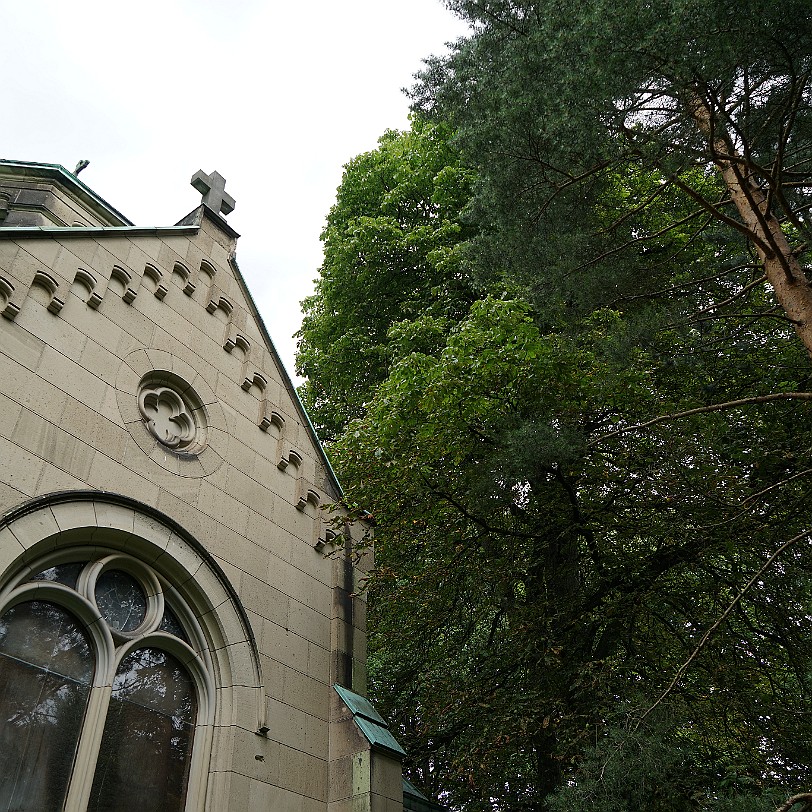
{"type": "Point", "coordinates": [92, 283]}
{"type": "Point", "coordinates": [110, 526]}
{"type": "Point", "coordinates": [148, 378]}
{"type": "Point", "coordinates": [253, 373]}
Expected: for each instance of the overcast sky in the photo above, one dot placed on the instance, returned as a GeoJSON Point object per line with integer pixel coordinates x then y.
{"type": "Point", "coordinates": [276, 96]}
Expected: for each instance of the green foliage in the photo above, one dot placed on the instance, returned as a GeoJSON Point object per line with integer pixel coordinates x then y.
{"type": "Point", "coordinates": [530, 572]}
{"type": "Point", "coordinates": [653, 768]}
{"type": "Point", "coordinates": [556, 106]}
{"type": "Point", "coordinates": [390, 254]}
{"type": "Point", "coordinates": [548, 560]}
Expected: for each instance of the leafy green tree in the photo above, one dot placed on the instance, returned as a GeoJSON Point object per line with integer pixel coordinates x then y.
{"type": "Point", "coordinates": [649, 161]}
{"type": "Point", "coordinates": [590, 485]}
{"type": "Point", "coordinates": [390, 254]}
{"type": "Point", "coordinates": [542, 576]}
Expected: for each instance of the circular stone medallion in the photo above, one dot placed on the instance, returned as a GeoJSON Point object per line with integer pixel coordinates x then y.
{"type": "Point", "coordinates": [171, 413]}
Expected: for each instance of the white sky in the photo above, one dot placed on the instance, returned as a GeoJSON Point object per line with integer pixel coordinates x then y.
{"type": "Point", "coordinates": [276, 96]}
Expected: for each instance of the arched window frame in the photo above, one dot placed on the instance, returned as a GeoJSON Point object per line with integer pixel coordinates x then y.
{"type": "Point", "coordinates": [221, 658]}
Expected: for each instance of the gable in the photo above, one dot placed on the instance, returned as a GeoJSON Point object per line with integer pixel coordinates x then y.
{"type": "Point", "coordinates": [176, 289]}
{"type": "Point", "coordinates": [148, 426]}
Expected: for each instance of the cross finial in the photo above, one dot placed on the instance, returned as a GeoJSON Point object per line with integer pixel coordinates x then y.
{"type": "Point", "coordinates": [212, 187]}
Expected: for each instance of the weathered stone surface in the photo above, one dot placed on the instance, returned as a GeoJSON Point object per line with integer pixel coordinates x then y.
{"type": "Point", "coordinates": [98, 323]}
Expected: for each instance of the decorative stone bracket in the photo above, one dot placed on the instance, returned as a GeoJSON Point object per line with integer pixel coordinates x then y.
{"type": "Point", "coordinates": [10, 308]}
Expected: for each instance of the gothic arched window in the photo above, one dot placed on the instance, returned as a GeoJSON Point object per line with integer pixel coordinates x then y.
{"type": "Point", "coordinates": [103, 681]}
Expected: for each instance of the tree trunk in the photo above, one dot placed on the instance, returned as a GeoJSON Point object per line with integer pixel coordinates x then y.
{"type": "Point", "coordinates": [781, 266]}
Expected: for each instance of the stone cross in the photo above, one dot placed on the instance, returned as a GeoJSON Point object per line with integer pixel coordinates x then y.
{"type": "Point", "coordinates": [212, 187]}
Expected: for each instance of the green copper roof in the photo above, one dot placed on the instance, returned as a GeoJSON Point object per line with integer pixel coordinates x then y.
{"type": "Point", "coordinates": [360, 705]}
{"type": "Point", "coordinates": [57, 171]}
{"type": "Point", "coordinates": [415, 801]}
{"type": "Point", "coordinates": [370, 722]}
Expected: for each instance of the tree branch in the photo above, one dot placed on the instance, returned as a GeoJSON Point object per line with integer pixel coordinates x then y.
{"type": "Point", "coordinates": [754, 496]}
{"type": "Point", "coordinates": [715, 407]}
{"type": "Point", "coordinates": [705, 637]}
{"type": "Point", "coordinates": [804, 798]}
{"type": "Point", "coordinates": [719, 215]}
{"type": "Point", "coordinates": [745, 289]}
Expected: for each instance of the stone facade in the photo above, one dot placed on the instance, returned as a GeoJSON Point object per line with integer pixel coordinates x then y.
{"type": "Point", "coordinates": [147, 426]}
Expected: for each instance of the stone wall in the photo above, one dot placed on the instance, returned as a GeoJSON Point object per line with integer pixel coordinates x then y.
{"type": "Point", "coordinates": [106, 332]}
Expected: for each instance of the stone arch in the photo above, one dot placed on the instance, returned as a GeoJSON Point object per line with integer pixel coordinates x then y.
{"type": "Point", "coordinates": [70, 519]}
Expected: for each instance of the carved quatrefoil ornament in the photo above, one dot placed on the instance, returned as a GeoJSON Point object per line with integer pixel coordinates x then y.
{"type": "Point", "coordinates": [167, 416]}
{"type": "Point", "coordinates": [171, 412]}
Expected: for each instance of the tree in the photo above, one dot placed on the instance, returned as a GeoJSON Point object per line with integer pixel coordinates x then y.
{"type": "Point", "coordinates": [590, 473]}
{"type": "Point", "coordinates": [541, 579]}
{"type": "Point", "coordinates": [551, 104]}
{"type": "Point", "coordinates": [594, 132]}
{"type": "Point", "coordinates": [389, 255]}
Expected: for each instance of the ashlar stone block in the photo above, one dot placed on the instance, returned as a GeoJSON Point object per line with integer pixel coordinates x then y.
{"type": "Point", "coordinates": [53, 480]}
{"type": "Point", "coordinates": [71, 378]}
{"type": "Point", "coordinates": [100, 361]}
{"type": "Point", "coordinates": [21, 345]}
{"type": "Point", "coordinates": [285, 647]}
{"type": "Point", "coordinates": [224, 508]}
{"type": "Point", "coordinates": [256, 756]}
{"type": "Point", "coordinates": [308, 623]}
{"type": "Point", "coordinates": [74, 515]}
{"type": "Point", "coordinates": [222, 755]}
{"type": "Point", "coordinates": [266, 601]}
{"type": "Point", "coordinates": [130, 320]}
{"type": "Point", "coordinates": [10, 549]}
{"type": "Point", "coordinates": [318, 663]}
{"type": "Point", "coordinates": [54, 445]}
{"type": "Point", "coordinates": [83, 248]}
{"type": "Point", "coordinates": [44, 251]}
{"type": "Point", "coordinates": [19, 468]}
{"type": "Point", "coordinates": [249, 492]}
{"type": "Point", "coordinates": [8, 251]}
{"type": "Point", "coordinates": [306, 694]}
{"type": "Point", "coordinates": [33, 528]}
{"type": "Point", "coordinates": [9, 414]}
{"type": "Point", "coordinates": [51, 330]}
{"type": "Point", "coordinates": [109, 475]}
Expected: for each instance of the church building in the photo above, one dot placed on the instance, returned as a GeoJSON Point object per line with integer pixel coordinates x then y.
{"type": "Point", "coordinates": [181, 620]}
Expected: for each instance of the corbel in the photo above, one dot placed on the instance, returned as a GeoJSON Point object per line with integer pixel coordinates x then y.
{"type": "Point", "coordinates": [156, 275]}
{"type": "Point", "coordinates": [126, 278]}
{"type": "Point", "coordinates": [306, 495]}
{"type": "Point", "coordinates": [185, 274]}
{"type": "Point", "coordinates": [268, 416]}
{"type": "Point", "coordinates": [88, 281]}
{"type": "Point", "coordinates": [216, 300]}
{"type": "Point", "coordinates": [52, 286]}
{"type": "Point", "coordinates": [10, 307]}
{"type": "Point", "coordinates": [287, 458]}
{"type": "Point", "coordinates": [234, 339]}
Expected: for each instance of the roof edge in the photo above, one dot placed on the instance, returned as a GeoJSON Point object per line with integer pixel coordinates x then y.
{"type": "Point", "coordinates": [286, 376]}
{"type": "Point", "coordinates": [27, 232]}
{"type": "Point", "coordinates": [58, 172]}
{"type": "Point", "coordinates": [375, 730]}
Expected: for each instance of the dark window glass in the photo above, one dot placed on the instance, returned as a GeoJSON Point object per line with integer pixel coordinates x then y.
{"type": "Point", "coordinates": [46, 666]}
{"type": "Point", "coordinates": [67, 574]}
{"type": "Point", "coordinates": [144, 757]}
{"type": "Point", "coordinates": [171, 625]}
{"type": "Point", "coordinates": [121, 600]}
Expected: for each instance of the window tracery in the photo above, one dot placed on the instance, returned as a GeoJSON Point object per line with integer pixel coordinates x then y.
{"type": "Point", "coordinates": [102, 682]}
